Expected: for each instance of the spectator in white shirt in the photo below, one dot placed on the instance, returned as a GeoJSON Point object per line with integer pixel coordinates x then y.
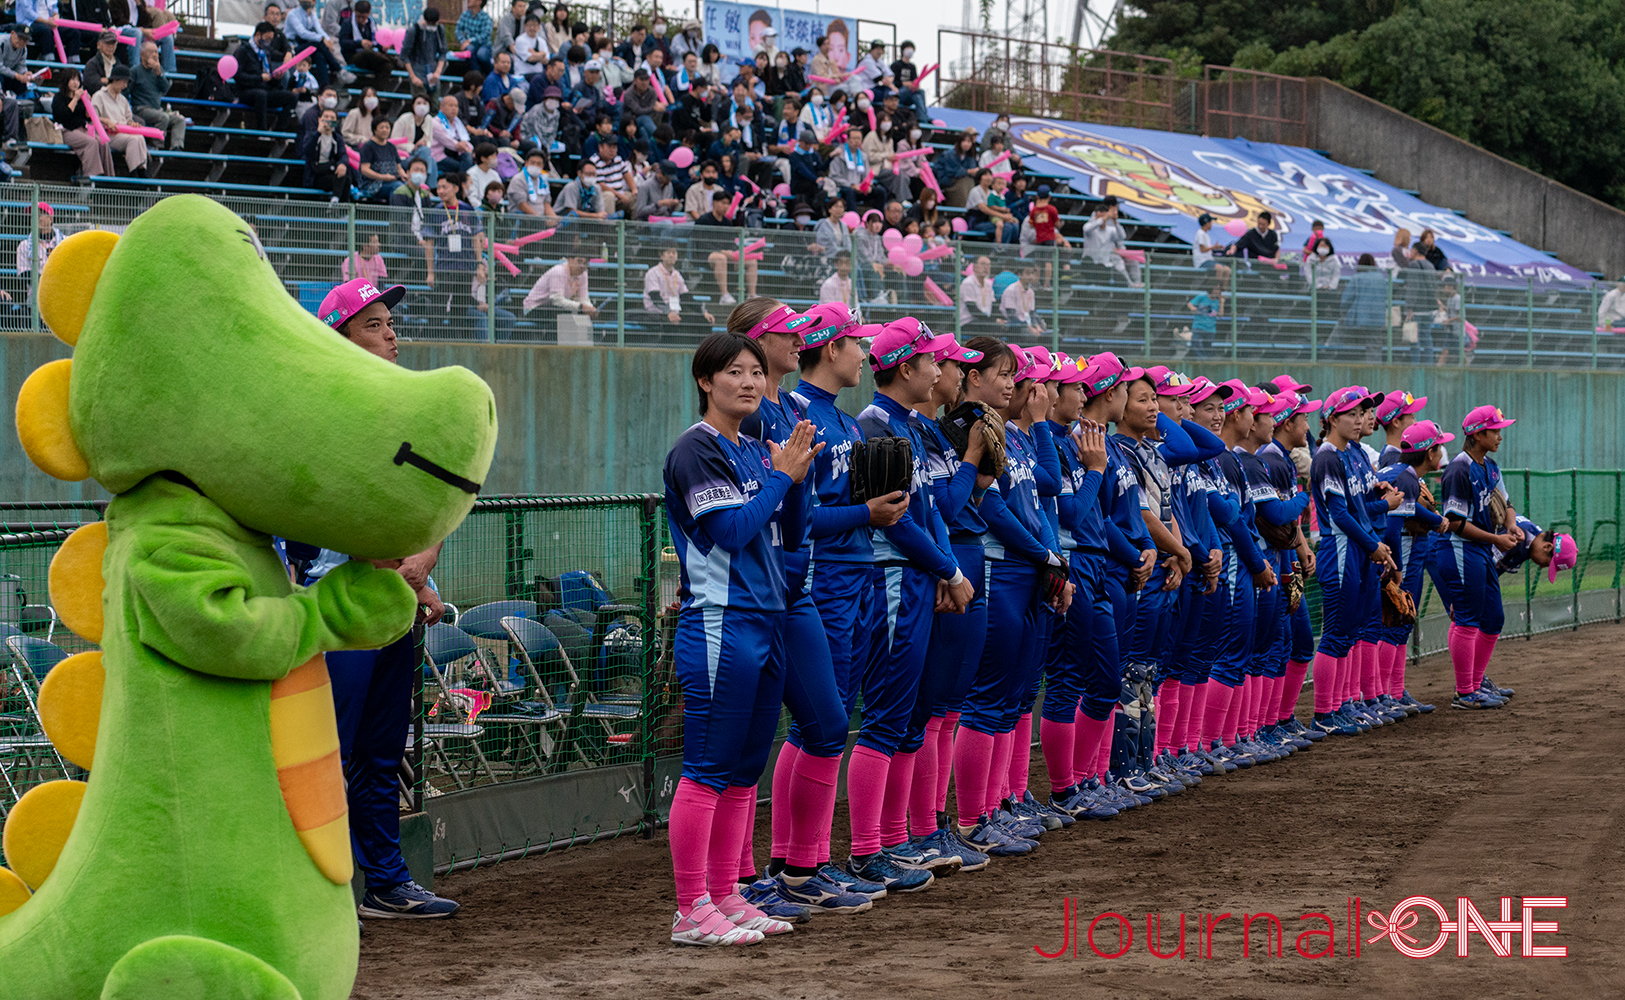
{"type": "Point", "coordinates": [530, 48]}
{"type": "Point", "coordinates": [663, 291]}
{"type": "Point", "coordinates": [1611, 312]}
{"type": "Point", "coordinates": [563, 287]}
{"type": "Point", "coordinates": [976, 300]}
{"type": "Point", "coordinates": [1103, 236]}
{"type": "Point", "coordinates": [1206, 245]}
{"type": "Point", "coordinates": [838, 286]}
{"type": "Point", "coordinates": [114, 110]}
{"type": "Point", "coordinates": [1019, 303]}
{"type": "Point", "coordinates": [49, 237]}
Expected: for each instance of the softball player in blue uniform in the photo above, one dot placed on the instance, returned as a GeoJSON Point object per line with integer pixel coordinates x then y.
{"type": "Point", "coordinates": [1365, 671]}
{"type": "Point", "coordinates": [911, 557]}
{"type": "Point", "coordinates": [1482, 521]}
{"type": "Point", "coordinates": [1394, 415]}
{"type": "Point", "coordinates": [731, 502]}
{"type": "Point", "coordinates": [1224, 509]}
{"type": "Point", "coordinates": [1410, 536]}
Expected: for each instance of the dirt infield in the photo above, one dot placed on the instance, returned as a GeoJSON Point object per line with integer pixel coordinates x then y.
{"type": "Point", "coordinates": [1518, 802]}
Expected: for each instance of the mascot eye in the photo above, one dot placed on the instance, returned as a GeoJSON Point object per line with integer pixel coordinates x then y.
{"type": "Point", "coordinates": [253, 239]}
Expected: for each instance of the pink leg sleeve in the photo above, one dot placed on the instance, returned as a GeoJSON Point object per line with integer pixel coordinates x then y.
{"type": "Point", "coordinates": [973, 762]}
{"type": "Point", "coordinates": [1021, 758]}
{"type": "Point", "coordinates": [1463, 644]}
{"type": "Point", "coordinates": [693, 815]}
{"type": "Point", "coordinates": [784, 790]}
{"type": "Point", "coordinates": [1217, 708]}
{"type": "Point", "coordinates": [727, 828]}
{"type": "Point", "coordinates": [1086, 745]}
{"type": "Point", "coordinates": [922, 793]}
{"type": "Point", "coordinates": [999, 778]}
{"type": "Point", "coordinates": [865, 796]}
{"type": "Point", "coordinates": [945, 758]}
{"type": "Point", "coordinates": [899, 786]}
{"type": "Point", "coordinates": [1296, 673]}
{"type": "Point", "coordinates": [812, 809]}
{"type": "Point", "coordinates": [1057, 740]}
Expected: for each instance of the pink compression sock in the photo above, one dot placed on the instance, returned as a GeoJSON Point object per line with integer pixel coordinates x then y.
{"type": "Point", "coordinates": [1057, 740]}
{"type": "Point", "coordinates": [899, 786]}
{"type": "Point", "coordinates": [727, 829]}
{"type": "Point", "coordinates": [1463, 645]}
{"type": "Point", "coordinates": [811, 808]}
{"type": "Point", "coordinates": [1254, 691]}
{"type": "Point", "coordinates": [973, 762]}
{"type": "Point", "coordinates": [1483, 649]}
{"type": "Point", "coordinates": [693, 815]}
{"type": "Point", "coordinates": [922, 792]}
{"type": "Point", "coordinates": [747, 843]}
{"type": "Point", "coordinates": [945, 758]}
{"type": "Point", "coordinates": [1292, 688]}
{"type": "Point", "coordinates": [1086, 745]}
{"type": "Point", "coordinates": [1219, 696]}
{"type": "Point", "coordinates": [1326, 673]}
{"type": "Point", "coordinates": [1173, 698]}
{"type": "Point", "coordinates": [1021, 758]}
{"type": "Point", "coordinates": [783, 802]}
{"type": "Point", "coordinates": [866, 796]}
{"type": "Point", "coordinates": [1193, 701]}
{"type": "Point", "coordinates": [1349, 669]}
{"type": "Point", "coordinates": [1367, 653]}
{"type": "Point", "coordinates": [1103, 753]}
{"type": "Point", "coordinates": [1231, 728]}
{"type": "Point", "coordinates": [999, 777]}
{"type": "Point", "coordinates": [1397, 656]}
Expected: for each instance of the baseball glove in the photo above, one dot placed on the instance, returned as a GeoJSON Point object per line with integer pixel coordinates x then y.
{"type": "Point", "coordinates": [1051, 583]}
{"type": "Point", "coordinates": [881, 465]}
{"type": "Point", "coordinates": [1498, 510]}
{"type": "Point", "coordinates": [1424, 497]}
{"type": "Point", "coordinates": [1294, 587]}
{"type": "Point", "coordinates": [1277, 536]}
{"type": "Point", "coordinates": [968, 418]}
{"type": "Point", "coordinates": [1397, 606]}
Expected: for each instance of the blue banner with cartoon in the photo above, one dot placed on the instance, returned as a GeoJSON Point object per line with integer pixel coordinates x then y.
{"type": "Point", "coordinates": [1173, 178]}
{"type": "Point", "coordinates": [738, 31]}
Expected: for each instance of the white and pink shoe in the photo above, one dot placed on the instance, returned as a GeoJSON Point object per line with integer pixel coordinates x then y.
{"type": "Point", "coordinates": [705, 925]}
{"type": "Point", "coordinates": [742, 914]}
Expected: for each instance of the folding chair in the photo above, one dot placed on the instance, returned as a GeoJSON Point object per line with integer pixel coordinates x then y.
{"type": "Point", "coordinates": [443, 646]}
{"type": "Point", "coordinates": [533, 641]}
{"type": "Point", "coordinates": [485, 622]}
{"type": "Point", "coordinates": [519, 721]}
{"type": "Point", "coordinates": [24, 747]}
{"type": "Point", "coordinates": [37, 618]}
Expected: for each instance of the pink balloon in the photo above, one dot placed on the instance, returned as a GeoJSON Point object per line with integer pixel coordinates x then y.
{"type": "Point", "coordinates": [891, 238]}
{"type": "Point", "coordinates": [683, 157]}
{"type": "Point", "coordinates": [913, 266]}
{"type": "Point", "coordinates": [851, 221]}
{"type": "Point", "coordinates": [781, 189]}
{"type": "Point", "coordinates": [959, 225]}
{"type": "Point", "coordinates": [898, 256]}
{"type": "Point", "coordinates": [912, 243]}
{"type": "Point", "coordinates": [1236, 227]}
{"type": "Point", "coordinates": [226, 67]}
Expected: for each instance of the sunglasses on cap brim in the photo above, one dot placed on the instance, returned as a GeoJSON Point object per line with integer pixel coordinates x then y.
{"type": "Point", "coordinates": [781, 320]}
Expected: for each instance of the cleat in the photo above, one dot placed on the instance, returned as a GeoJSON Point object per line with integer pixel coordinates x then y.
{"type": "Point", "coordinates": [1306, 732]}
{"type": "Point", "coordinates": [1083, 804]}
{"type": "Point", "coordinates": [1195, 762]}
{"type": "Point", "coordinates": [1489, 687]}
{"type": "Point", "coordinates": [741, 913]}
{"type": "Point", "coordinates": [1140, 785]}
{"type": "Point", "coordinates": [1220, 765]}
{"type": "Point", "coordinates": [1474, 701]}
{"type": "Point", "coordinates": [764, 895]}
{"type": "Point", "coordinates": [1171, 785]}
{"type": "Point", "coordinates": [851, 883]}
{"type": "Point", "coordinates": [909, 854]}
{"type": "Point", "coordinates": [992, 840]}
{"type": "Point", "coordinates": [407, 901]}
{"type": "Point", "coordinates": [1017, 826]}
{"type": "Point", "coordinates": [1423, 707]}
{"type": "Point", "coordinates": [1330, 723]}
{"type": "Point", "coordinates": [820, 895]}
{"type": "Point", "coordinates": [954, 852]}
{"type": "Point", "coordinates": [705, 925]}
{"type": "Point", "coordinates": [1053, 819]}
{"type": "Point", "coordinates": [895, 877]}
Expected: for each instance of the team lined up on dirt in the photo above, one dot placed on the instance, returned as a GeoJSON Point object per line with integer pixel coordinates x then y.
{"type": "Point", "coordinates": [1001, 521]}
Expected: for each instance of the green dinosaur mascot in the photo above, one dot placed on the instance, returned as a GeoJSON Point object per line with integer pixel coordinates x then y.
{"type": "Point", "coordinates": [208, 855]}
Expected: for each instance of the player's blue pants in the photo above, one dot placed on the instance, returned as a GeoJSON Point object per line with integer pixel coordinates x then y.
{"type": "Point", "coordinates": [847, 606]}
{"type": "Point", "coordinates": [1340, 568]}
{"type": "Point", "coordinates": [1371, 590]}
{"type": "Point", "coordinates": [1090, 637]}
{"type": "Point", "coordinates": [1301, 634]}
{"type": "Point", "coordinates": [1412, 559]}
{"type": "Point", "coordinates": [1152, 622]}
{"type": "Point", "coordinates": [1469, 584]}
{"type": "Point", "coordinates": [1181, 660]}
{"type": "Point", "coordinates": [1046, 625]}
{"type": "Point", "coordinates": [730, 663]}
{"type": "Point", "coordinates": [891, 676]}
{"type": "Point", "coordinates": [956, 646]}
{"type": "Point", "coordinates": [372, 698]}
{"type": "Point", "coordinates": [1067, 656]}
{"type": "Point", "coordinates": [816, 702]}
{"type": "Point", "coordinates": [1001, 676]}
{"type": "Point", "coordinates": [1270, 624]}
{"type": "Point", "coordinates": [1235, 639]}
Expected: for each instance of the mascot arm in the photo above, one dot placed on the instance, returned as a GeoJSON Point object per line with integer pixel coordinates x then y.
{"type": "Point", "coordinates": [197, 608]}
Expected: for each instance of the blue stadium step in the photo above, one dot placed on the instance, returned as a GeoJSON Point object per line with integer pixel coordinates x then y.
{"type": "Point", "coordinates": [162, 183]}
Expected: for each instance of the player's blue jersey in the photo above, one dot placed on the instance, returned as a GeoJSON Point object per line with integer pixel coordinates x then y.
{"type": "Point", "coordinates": [1082, 526]}
{"type": "Point", "coordinates": [1122, 503]}
{"type": "Point", "coordinates": [1409, 484]}
{"type": "Point", "coordinates": [1154, 476]}
{"type": "Point", "coordinates": [919, 537]}
{"type": "Point", "coordinates": [725, 506]}
{"type": "Point", "coordinates": [1389, 456]}
{"type": "Point", "coordinates": [776, 420]}
{"type": "Point", "coordinates": [952, 481]}
{"type": "Point", "coordinates": [839, 528]}
{"type": "Point", "coordinates": [1018, 487]}
{"type": "Point", "coordinates": [1339, 498]}
{"type": "Point", "coordinates": [1467, 486]}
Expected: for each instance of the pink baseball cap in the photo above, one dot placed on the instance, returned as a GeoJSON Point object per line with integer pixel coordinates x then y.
{"type": "Point", "coordinates": [353, 296]}
{"type": "Point", "coordinates": [1564, 555]}
{"type": "Point", "coordinates": [1306, 405]}
{"type": "Point", "coordinates": [1242, 394]}
{"type": "Point", "coordinates": [1422, 436]}
{"type": "Point", "coordinates": [1029, 365]}
{"type": "Point", "coordinates": [1286, 383]}
{"type": "Point", "coordinates": [901, 339]}
{"type": "Point", "coordinates": [1169, 382]}
{"type": "Point", "coordinates": [955, 351]}
{"type": "Point", "coordinates": [1067, 372]}
{"type": "Point", "coordinates": [831, 321]}
{"type": "Point", "coordinates": [1102, 371]}
{"type": "Point", "coordinates": [48, 210]}
{"type": "Point", "coordinates": [1485, 418]}
{"type": "Point", "coordinates": [1397, 404]}
{"type": "Point", "coordinates": [1347, 398]}
{"type": "Point", "coordinates": [1041, 354]}
{"type": "Point", "coordinates": [782, 320]}
{"type": "Point", "coordinates": [1276, 404]}
{"type": "Point", "coordinates": [1202, 387]}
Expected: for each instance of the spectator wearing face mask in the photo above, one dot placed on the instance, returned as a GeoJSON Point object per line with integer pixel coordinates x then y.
{"type": "Point", "coordinates": [327, 100]}
{"type": "Point", "coordinates": [357, 129]}
{"type": "Point", "coordinates": [908, 168]}
{"type": "Point", "coordinates": [1322, 268]}
{"type": "Point", "coordinates": [816, 114]}
{"type": "Point", "coordinates": [326, 161]}
{"type": "Point", "coordinates": [528, 191]}
{"type": "Point", "coordinates": [303, 29]}
{"type": "Point", "coordinates": [413, 124]}
{"type": "Point", "coordinates": [585, 197]}
{"type": "Point", "coordinates": [907, 77]}
{"type": "Point", "coordinates": [424, 50]}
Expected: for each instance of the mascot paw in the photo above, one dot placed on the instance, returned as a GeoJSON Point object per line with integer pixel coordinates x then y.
{"type": "Point", "coordinates": [366, 607]}
{"type": "Point", "coordinates": [191, 968]}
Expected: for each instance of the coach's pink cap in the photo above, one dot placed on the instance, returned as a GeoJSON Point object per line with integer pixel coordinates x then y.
{"type": "Point", "coordinates": [1564, 555]}
{"type": "Point", "coordinates": [1103, 371]}
{"type": "Point", "coordinates": [353, 296]}
{"type": "Point", "coordinates": [782, 320]}
{"type": "Point", "coordinates": [1287, 383]}
{"type": "Point", "coordinates": [1169, 382]}
{"type": "Point", "coordinates": [1422, 436]}
{"type": "Point", "coordinates": [1485, 418]}
{"type": "Point", "coordinates": [1202, 387]}
{"type": "Point", "coordinates": [831, 320]}
{"type": "Point", "coordinates": [901, 339]}
{"type": "Point", "coordinates": [1397, 404]}
{"type": "Point", "coordinates": [1347, 398]}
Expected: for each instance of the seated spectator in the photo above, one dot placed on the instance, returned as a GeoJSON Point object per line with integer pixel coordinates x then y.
{"type": "Point", "coordinates": [849, 170]}
{"type": "Point", "coordinates": [326, 158]}
{"type": "Point", "coordinates": [550, 125]}
{"type": "Point", "coordinates": [528, 192]}
{"type": "Point", "coordinates": [604, 132]}
{"type": "Point", "coordinates": [870, 251]}
{"type": "Point", "coordinates": [302, 84]}
{"type": "Point", "coordinates": [1323, 270]}
{"type": "Point", "coordinates": [976, 309]}
{"type": "Point", "coordinates": [304, 30]}
{"type": "Point", "coordinates": [114, 110]}
{"type": "Point", "coordinates": [656, 194]}
{"type": "Point", "coordinates": [1431, 251]}
{"type": "Point", "coordinates": [663, 291]}
{"type": "Point", "coordinates": [985, 212]}
{"type": "Point", "coordinates": [69, 109]}
{"type": "Point", "coordinates": [358, 121]}
{"type": "Point", "coordinates": [563, 288]}
{"type": "Point", "coordinates": [838, 286]}
{"type": "Point", "coordinates": [473, 32]}
{"type": "Point", "coordinates": [48, 238]}
{"type": "Point", "coordinates": [502, 78]}
{"type": "Point", "coordinates": [1019, 303]}
{"type": "Point", "coordinates": [483, 173]}
{"type": "Point", "coordinates": [449, 140]}
{"type": "Point", "coordinates": [1611, 311]}
{"type": "Point", "coordinates": [615, 176]}
{"type": "Point", "coordinates": [585, 197]}
{"type": "Point", "coordinates": [1258, 242]}
{"type": "Point", "coordinates": [367, 262]}
{"type": "Point", "coordinates": [502, 118]}
{"type": "Point", "coordinates": [494, 199]}
{"type": "Point", "coordinates": [14, 74]}
{"type": "Point", "coordinates": [380, 167]}
{"type": "Point", "coordinates": [254, 85]}
{"type": "Point", "coordinates": [698, 200]}
{"type": "Point", "coordinates": [327, 100]}
{"type": "Point", "coordinates": [1103, 236]}
{"type": "Point", "coordinates": [470, 106]}
{"type": "Point", "coordinates": [100, 66]}
{"type": "Point", "coordinates": [723, 248]}
{"type": "Point", "coordinates": [509, 27]}
{"type": "Point", "coordinates": [995, 149]}
{"type": "Point", "coordinates": [148, 85]}
{"type": "Point", "coordinates": [816, 114]}
{"type": "Point", "coordinates": [356, 42]}
{"type": "Point", "coordinates": [551, 75]}
{"type": "Point", "coordinates": [1206, 246]}
{"type": "Point", "coordinates": [481, 308]}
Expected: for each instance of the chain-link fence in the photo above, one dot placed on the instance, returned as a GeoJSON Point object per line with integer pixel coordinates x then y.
{"type": "Point", "coordinates": [541, 279]}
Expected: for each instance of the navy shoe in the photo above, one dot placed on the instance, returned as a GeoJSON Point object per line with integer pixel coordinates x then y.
{"type": "Point", "coordinates": [1031, 802]}
{"type": "Point", "coordinates": [996, 842]}
{"type": "Point", "coordinates": [407, 901]}
{"type": "Point", "coordinates": [1331, 723]}
{"type": "Point", "coordinates": [955, 852]}
{"type": "Point", "coordinates": [1221, 765]}
{"type": "Point", "coordinates": [764, 895]}
{"type": "Point", "coordinates": [1112, 795]}
{"type": "Point", "coordinates": [850, 882]}
{"type": "Point", "coordinates": [1029, 809]}
{"type": "Point", "coordinates": [1306, 732]}
{"type": "Point", "coordinates": [1475, 701]}
{"type": "Point", "coordinates": [1084, 804]}
{"type": "Point", "coordinates": [816, 895]}
{"type": "Point", "coordinates": [895, 877]}
{"type": "Point", "coordinates": [1422, 707]}
{"type": "Point", "coordinates": [1196, 762]}
{"type": "Point", "coordinates": [1170, 782]}
{"type": "Point", "coordinates": [1489, 687]}
{"type": "Point", "coordinates": [1017, 825]}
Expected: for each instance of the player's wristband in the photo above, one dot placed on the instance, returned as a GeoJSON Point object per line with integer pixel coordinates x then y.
{"type": "Point", "coordinates": [958, 578]}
